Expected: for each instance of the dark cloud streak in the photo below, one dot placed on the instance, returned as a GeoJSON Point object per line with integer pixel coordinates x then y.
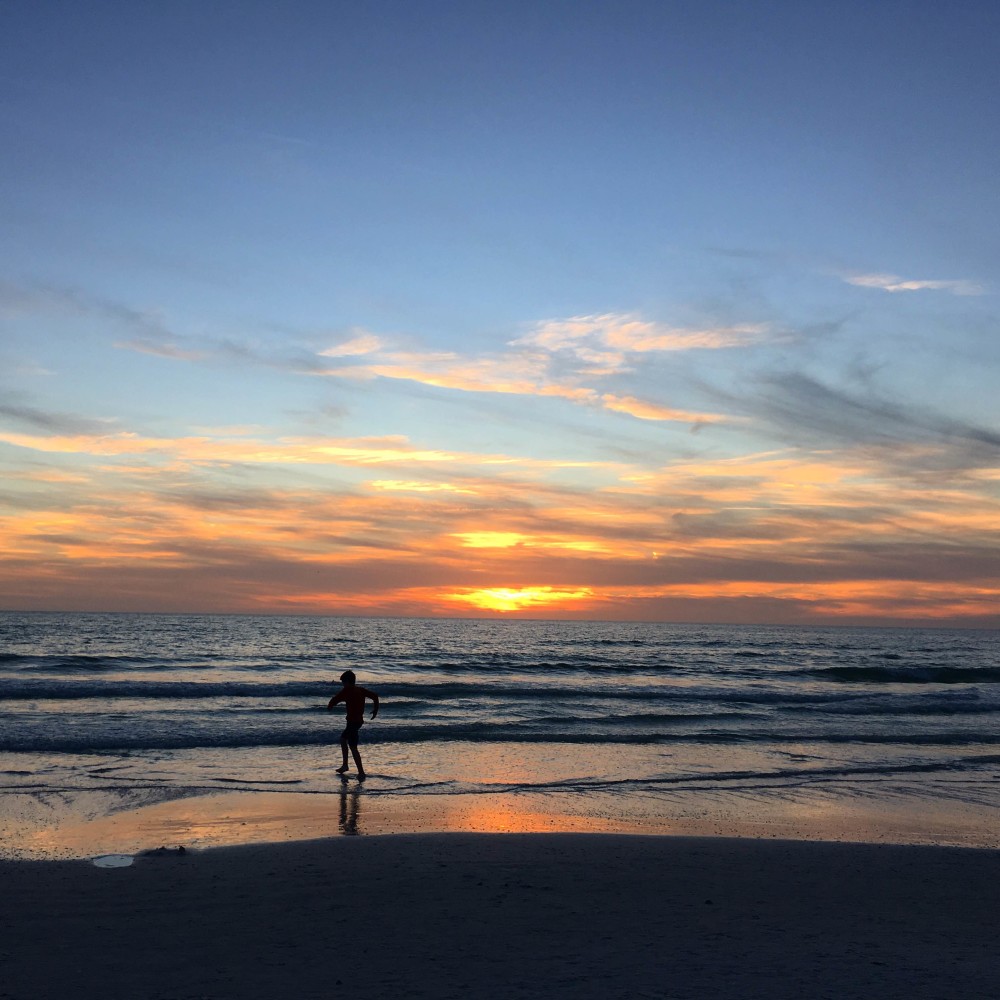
{"type": "Point", "coordinates": [805, 411]}
{"type": "Point", "coordinates": [54, 422]}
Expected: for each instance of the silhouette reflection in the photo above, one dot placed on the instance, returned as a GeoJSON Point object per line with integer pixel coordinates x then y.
{"type": "Point", "coordinates": [350, 807]}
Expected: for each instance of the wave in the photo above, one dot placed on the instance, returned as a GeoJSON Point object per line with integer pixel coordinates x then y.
{"type": "Point", "coordinates": [648, 665]}
{"type": "Point", "coordinates": [474, 700]}
{"type": "Point", "coordinates": [580, 663]}
{"type": "Point", "coordinates": [49, 689]}
{"type": "Point", "coordinates": [741, 778]}
{"type": "Point", "coordinates": [620, 642]}
{"type": "Point", "coordinates": [909, 674]}
{"type": "Point", "coordinates": [902, 709]}
{"type": "Point", "coordinates": [73, 661]}
{"type": "Point", "coordinates": [785, 774]}
{"type": "Point", "coordinates": [111, 690]}
{"type": "Point", "coordinates": [133, 740]}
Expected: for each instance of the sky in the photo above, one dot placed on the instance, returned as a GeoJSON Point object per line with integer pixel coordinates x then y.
{"type": "Point", "coordinates": [587, 310]}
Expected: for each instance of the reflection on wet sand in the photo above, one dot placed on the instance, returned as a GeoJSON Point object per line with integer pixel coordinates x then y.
{"type": "Point", "coordinates": [236, 818]}
{"type": "Point", "coordinates": [81, 826]}
{"type": "Point", "coordinates": [350, 807]}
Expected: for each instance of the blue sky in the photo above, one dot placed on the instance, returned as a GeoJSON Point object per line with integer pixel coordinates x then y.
{"type": "Point", "coordinates": [636, 259]}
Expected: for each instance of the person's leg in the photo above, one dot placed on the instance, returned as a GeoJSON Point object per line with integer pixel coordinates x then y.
{"type": "Point", "coordinates": [357, 761]}
{"type": "Point", "coordinates": [352, 740]}
{"type": "Point", "coordinates": [343, 747]}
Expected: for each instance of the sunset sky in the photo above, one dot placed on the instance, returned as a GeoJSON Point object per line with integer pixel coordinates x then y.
{"type": "Point", "coordinates": [620, 310]}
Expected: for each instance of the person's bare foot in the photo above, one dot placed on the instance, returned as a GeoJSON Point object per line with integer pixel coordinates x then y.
{"type": "Point", "coordinates": [342, 770]}
{"type": "Point", "coordinates": [362, 775]}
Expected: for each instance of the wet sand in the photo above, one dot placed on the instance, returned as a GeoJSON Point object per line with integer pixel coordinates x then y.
{"type": "Point", "coordinates": [512, 915]}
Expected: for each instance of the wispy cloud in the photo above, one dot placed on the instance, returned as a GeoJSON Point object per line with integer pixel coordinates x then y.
{"type": "Point", "coordinates": [911, 440]}
{"type": "Point", "coordinates": [642, 410]}
{"type": "Point", "coordinates": [361, 343]}
{"type": "Point", "coordinates": [582, 359]}
{"type": "Point", "coordinates": [869, 416]}
{"type": "Point", "coordinates": [162, 349]}
{"type": "Point", "coordinates": [146, 331]}
{"type": "Point", "coordinates": [566, 359]}
{"type": "Point", "coordinates": [613, 336]}
{"type": "Point", "coordinates": [393, 450]}
{"type": "Point", "coordinates": [46, 299]}
{"type": "Point", "coordinates": [53, 421]}
{"type": "Point", "coordinates": [24, 368]}
{"type": "Point", "coordinates": [894, 283]}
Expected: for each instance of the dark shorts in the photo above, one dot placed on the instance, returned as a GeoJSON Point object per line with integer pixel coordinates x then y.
{"type": "Point", "coordinates": [350, 733]}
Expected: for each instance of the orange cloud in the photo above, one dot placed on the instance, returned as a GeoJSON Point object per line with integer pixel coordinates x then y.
{"type": "Point", "coordinates": [482, 377]}
{"type": "Point", "coordinates": [490, 539]}
{"type": "Point", "coordinates": [416, 486]}
{"type": "Point", "coordinates": [651, 411]}
{"type": "Point", "coordinates": [390, 450]}
{"type": "Point", "coordinates": [766, 536]}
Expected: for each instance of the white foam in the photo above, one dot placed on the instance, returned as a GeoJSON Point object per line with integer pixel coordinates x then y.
{"type": "Point", "coordinates": [113, 861]}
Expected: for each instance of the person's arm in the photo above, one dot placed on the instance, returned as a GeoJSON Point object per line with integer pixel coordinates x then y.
{"type": "Point", "coordinates": [338, 697]}
{"type": "Point", "coordinates": [374, 698]}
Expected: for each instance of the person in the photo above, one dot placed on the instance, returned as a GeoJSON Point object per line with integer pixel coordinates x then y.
{"type": "Point", "coordinates": [353, 696]}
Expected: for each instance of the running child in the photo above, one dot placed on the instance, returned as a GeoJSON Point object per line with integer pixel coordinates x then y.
{"type": "Point", "coordinates": [353, 695]}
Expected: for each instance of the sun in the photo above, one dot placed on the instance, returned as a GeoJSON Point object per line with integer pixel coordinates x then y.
{"type": "Point", "coordinates": [508, 599]}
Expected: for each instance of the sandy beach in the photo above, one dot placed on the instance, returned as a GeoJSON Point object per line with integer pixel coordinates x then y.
{"type": "Point", "coordinates": [468, 915]}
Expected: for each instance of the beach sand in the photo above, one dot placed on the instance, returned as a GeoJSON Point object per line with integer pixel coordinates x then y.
{"type": "Point", "coordinates": [511, 915]}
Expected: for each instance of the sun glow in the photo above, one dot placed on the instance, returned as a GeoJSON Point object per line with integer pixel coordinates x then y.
{"type": "Point", "coordinates": [220, 522]}
{"type": "Point", "coordinates": [506, 599]}
{"type": "Point", "coordinates": [490, 539]}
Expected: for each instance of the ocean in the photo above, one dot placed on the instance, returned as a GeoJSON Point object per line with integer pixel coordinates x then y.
{"type": "Point", "coordinates": [777, 731]}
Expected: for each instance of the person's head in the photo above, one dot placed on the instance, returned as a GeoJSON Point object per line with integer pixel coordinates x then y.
{"type": "Point", "coordinates": [348, 678]}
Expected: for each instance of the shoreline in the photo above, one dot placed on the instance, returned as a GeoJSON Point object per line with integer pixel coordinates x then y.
{"type": "Point", "coordinates": [88, 824]}
{"type": "Point", "coordinates": [501, 915]}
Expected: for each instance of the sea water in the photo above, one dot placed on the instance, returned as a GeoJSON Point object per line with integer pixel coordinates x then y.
{"type": "Point", "coordinates": [639, 725]}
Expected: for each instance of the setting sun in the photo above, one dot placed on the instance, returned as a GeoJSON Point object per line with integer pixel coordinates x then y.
{"type": "Point", "coordinates": [505, 599]}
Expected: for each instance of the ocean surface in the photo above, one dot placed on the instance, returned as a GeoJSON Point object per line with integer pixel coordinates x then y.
{"type": "Point", "coordinates": [651, 724]}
